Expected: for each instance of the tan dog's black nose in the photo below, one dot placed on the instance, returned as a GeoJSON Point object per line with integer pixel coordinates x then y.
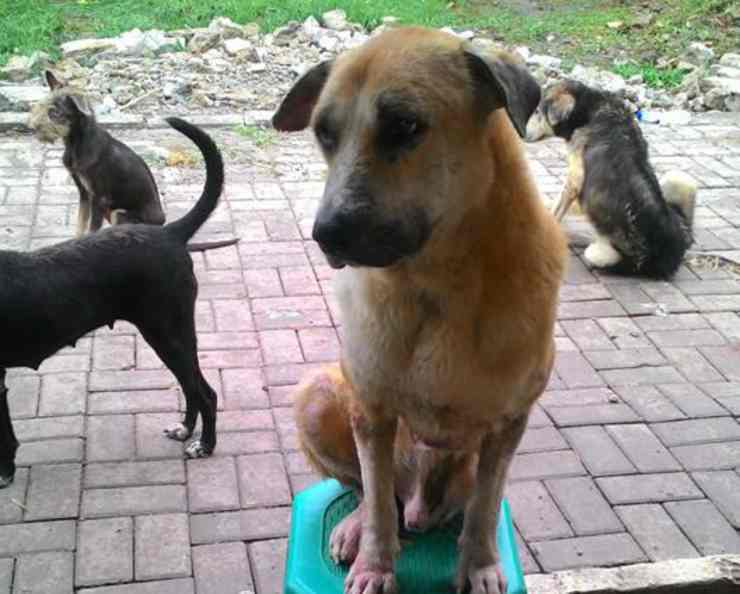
{"type": "Point", "coordinates": [334, 232]}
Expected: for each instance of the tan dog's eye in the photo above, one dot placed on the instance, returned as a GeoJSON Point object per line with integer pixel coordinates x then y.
{"type": "Point", "coordinates": [407, 126]}
{"type": "Point", "coordinates": [325, 135]}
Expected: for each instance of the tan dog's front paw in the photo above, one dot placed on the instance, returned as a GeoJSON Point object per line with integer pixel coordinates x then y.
{"type": "Point", "coordinates": [370, 578]}
{"type": "Point", "coordinates": [344, 542]}
{"type": "Point", "coordinates": [488, 579]}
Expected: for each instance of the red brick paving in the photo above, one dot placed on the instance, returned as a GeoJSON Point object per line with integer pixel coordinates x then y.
{"type": "Point", "coordinates": [633, 453]}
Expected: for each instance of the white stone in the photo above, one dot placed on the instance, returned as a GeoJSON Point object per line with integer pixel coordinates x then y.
{"type": "Point", "coordinates": [731, 60]}
{"type": "Point", "coordinates": [328, 42]}
{"type": "Point", "coordinates": [699, 53]}
{"type": "Point", "coordinates": [523, 51]}
{"type": "Point", "coordinates": [684, 65]}
{"type": "Point", "coordinates": [17, 69]}
{"type": "Point", "coordinates": [226, 27]}
{"type": "Point", "coordinates": [137, 43]}
{"type": "Point", "coordinates": [237, 46]}
{"type": "Point", "coordinates": [542, 60]}
{"type": "Point", "coordinates": [107, 105]}
{"type": "Point", "coordinates": [732, 103]}
{"type": "Point", "coordinates": [728, 85]}
{"type": "Point", "coordinates": [251, 30]}
{"type": "Point", "coordinates": [602, 79]}
{"type": "Point", "coordinates": [483, 44]}
{"type": "Point", "coordinates": [83, 47]}
{"type": "Point", "coordinates": [724, 71]}
{"type": "Point", "coordinates": [722, 94]}
{"type": "Point", "coordinates": [20, 97]}
{"type": "Point", "coordinates": [203, 41]}
{"type": "Point", "coordinates": [311, 27]}
{"type": "Point", "coordinates": [335, 20]}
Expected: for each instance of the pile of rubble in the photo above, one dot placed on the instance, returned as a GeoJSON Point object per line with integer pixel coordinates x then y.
{"type": "Point", "coordinates": [229, 67]}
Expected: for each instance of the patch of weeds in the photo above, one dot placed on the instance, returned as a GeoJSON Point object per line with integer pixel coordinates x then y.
{"type": "Point", "coordinates": [260, 136]}
{"type": "Point", "coordinates": [178, 158]}
{"type": "Point", "coordinates": [657, 78]}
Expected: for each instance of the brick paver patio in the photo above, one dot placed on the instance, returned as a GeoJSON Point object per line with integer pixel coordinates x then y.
{"type": "Point", "coordinates": [632, 455]}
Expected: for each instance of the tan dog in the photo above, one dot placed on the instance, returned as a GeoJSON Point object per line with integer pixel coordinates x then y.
{"type": "Point", "coordinates": [448, 290]}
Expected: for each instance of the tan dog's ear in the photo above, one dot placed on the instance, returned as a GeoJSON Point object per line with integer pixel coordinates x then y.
{"type": "Point", "coordinates": [51, 80]}
{"type": "Point", "coordinates": [295, 110]}
{"type": "Point", "coordinates": [501, 83]}
{"type": "Point", "coordinates": [560, 108]}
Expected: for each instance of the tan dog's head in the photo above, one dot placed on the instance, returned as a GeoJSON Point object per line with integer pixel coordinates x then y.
{"type": "Point", "coordinates": [403, 122]}
{"type": "Point", "coordinates": [53, 118]}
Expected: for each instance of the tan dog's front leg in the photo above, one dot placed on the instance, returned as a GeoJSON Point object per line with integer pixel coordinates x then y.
{"type": "Point", "coordinates": [372, 571]}
{"type": "Point", "coordinates": [478, 556]}
{"type": "Point", "coordinates": [573, 185]}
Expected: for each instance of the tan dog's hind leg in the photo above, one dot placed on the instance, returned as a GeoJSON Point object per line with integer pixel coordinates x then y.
{"type": "Point", "coordinates": [325, 435]}
{"type": "Point", "coordinates": [478, 556]}
{"type": "Point", "coordinates": [573, 185]}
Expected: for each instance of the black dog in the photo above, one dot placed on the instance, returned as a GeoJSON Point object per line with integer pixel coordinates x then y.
{"type": "Point", "coordinates": [143, 274]}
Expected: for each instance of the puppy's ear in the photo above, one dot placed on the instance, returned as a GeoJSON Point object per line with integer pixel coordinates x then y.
{"type": "Point", "coordinates": [51, 80]}
{"type": "Point", "coordinates": [295, 110]}
{"type": "Point", "coordinates": [80, 105]}
{"type": "Point", "coordinates": [560, 108]}
{"type": "Point", "coordinates": [503, 83]}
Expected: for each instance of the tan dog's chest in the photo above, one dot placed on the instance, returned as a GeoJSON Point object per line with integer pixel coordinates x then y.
{"type": "Point", "coordinates": [436, 367]}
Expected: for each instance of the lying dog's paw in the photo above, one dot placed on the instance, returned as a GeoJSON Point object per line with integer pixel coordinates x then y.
{"type": "Point", "coordinates": [196, 449]}
{"type": "Point", "coordinates": [602, 254]}
{"type": "Point", "coordinates": [344, 542]}
{"type": "Point", "coordinates": [178, 432]}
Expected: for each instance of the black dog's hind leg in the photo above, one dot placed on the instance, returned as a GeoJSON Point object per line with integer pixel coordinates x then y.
{"type": "Point", "coordinates": [175, 343]}
{"type": "Point", "coordinates": [8, 442]}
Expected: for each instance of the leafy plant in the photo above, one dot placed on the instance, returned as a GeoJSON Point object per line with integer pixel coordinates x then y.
{"type": "Point", "coordinates": [257, 134]}
{"type": "Point", "coordinates": [657, 78]}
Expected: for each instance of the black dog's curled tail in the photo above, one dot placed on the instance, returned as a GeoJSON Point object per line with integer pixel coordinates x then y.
{"type": "Point", "coordinates": [184, 228]}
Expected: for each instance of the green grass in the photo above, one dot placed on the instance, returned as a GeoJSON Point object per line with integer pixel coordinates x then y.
{"type": "Point", "coordinates": [26, 25]}
{"type": "Point", "coordinates": [580, 27]}
{"type": "Point", "coordinates": [658, 78]}
{"type": "Point", "coordinates": [260, 136]}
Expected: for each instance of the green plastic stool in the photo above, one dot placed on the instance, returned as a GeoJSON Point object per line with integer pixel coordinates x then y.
{"type": "Point", "coordinates": [427, 563]}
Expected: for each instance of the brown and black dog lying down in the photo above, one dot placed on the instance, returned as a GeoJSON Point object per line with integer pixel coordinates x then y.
{"type": "Point", "coordinates": [449, 274]}
{"type": "Point", "coordinates": [143, 274]}
{"type": "Point", "coordinates": [643, 225]}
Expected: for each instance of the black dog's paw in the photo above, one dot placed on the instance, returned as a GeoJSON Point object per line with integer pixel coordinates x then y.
{"type": "Point", "coordinates": [178, 432]}
{"type": "Point", "coordinates": [196, 449]}
{"type": "Point", "coordinates": [6, 480]}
